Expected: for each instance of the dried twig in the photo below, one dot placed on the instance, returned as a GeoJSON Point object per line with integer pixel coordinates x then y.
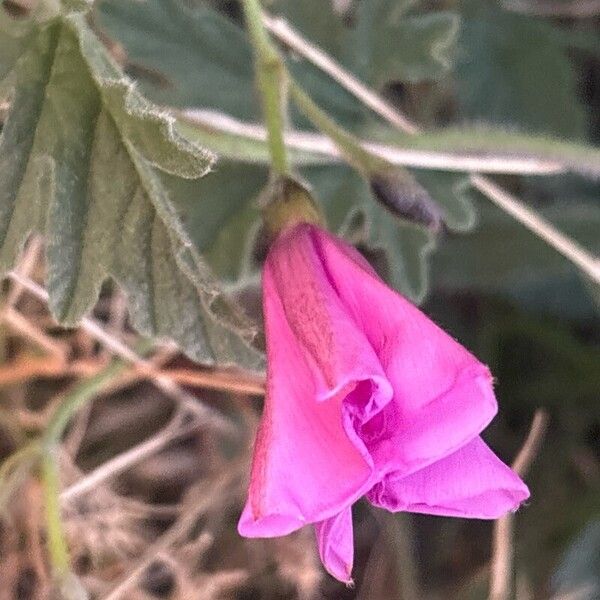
{"type": "Point", "coordinates": [229, 381]}
{"type": "Point", "coordinates": [171, 537]}
{"type": "Point", "coordinates": [204, 413]}
{"type": "Point", "coordinates": [18, 323]}
{"type": "Point", "coordinates": [501, 571]}
{"type": "Point", "coordinates": [177, 428]}
{"type": "Point", "coordinates": [26, 367]}
{"type": "Point", "coordinates": [425, 159]}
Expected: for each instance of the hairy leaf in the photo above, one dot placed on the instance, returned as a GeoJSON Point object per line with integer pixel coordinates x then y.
{"type": "Point", "coordinates": [184, 56]}
{"type": "Point", "coordinates": [80, 160]}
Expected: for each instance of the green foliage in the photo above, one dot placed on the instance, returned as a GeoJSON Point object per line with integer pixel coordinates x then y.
{"type": "Point", "coordinates": [516, 70]}
{"type": "Point", "coordinates": [409, 46]}
{"type": "Point", "coordinates": [503, 257]}
{"type": "Point", "coordinates": [422, 45]}
{"type": "Point", "coordinates": [13, 37]}
{"type": "Point", "coordinates": [81, 158]}
{"type": "Point", "coordinates": [579, 570]}
{"type": "Point", "coordinates": [388, 42]}
{"type": "Point", "coordinates": [184, 56]}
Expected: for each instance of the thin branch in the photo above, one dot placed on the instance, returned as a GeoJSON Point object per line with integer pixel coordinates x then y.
{"type": "Point", "coordinates": [171, 537]}
{"type": "Point", "coordinates": [569, 248]}
{"type": "Point", "coordinates": [502, 566]}
{"type": "Point", "coordinates": [120, 463]}
{"type": "Point", "coordinates": [531, 447]}
{"type": "Point", "coordinates": [587, 262]}
{"type": "Point", "coordinates": [18, 323]}
{"type": "Point", "coordinates": [289, 36]}
{"type": "Point", "coordinates": [419, 159]}
{"type": "Point", "coordinates": [204, 413]}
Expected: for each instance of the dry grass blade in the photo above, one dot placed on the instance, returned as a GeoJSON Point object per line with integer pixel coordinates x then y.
{"type": "Point", "coordinates": [501, 573]}
{"type": "Point", "coordinates": [210, 417]}
{"type": "Point", "coordinates": [177, 428]}
{"type": "Point", "coordinates": [426, 159]}
{"type": "Point", "coordinates": [173, 535]}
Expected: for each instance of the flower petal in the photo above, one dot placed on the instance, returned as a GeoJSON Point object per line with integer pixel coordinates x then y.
{"type": "Point", "coordinates": [472, 482]}
{"type": "Point", "coordinates": [443, 396]}
{"type": "Point", "coordinates": [324, 383]}
{"type": "Point", "coordinates": [336, 545]}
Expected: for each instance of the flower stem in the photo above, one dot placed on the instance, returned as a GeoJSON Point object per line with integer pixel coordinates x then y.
{"type": "Point", "coordinates": [391, 184]}
{"type": "Point", "coordinates": [271, 78]}
{"type": "Point", "coordinates": [363, 160]}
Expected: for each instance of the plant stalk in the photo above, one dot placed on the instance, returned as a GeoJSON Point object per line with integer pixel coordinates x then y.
{"type": "Point", "coordinates": [271, 77]}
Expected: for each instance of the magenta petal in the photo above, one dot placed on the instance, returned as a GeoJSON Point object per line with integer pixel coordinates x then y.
{"type": "Point", "coordinates": [324, 382]}
{"type": "Point", "coordinates": [472, 482]}
{"type": "Point", "coordinates": [443, 395]}
{"type": "Point", "coordinates": [336, 545]}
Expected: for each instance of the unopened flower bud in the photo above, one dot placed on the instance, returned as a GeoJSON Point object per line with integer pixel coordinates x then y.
{"type": "Point", "coordinates": [405, 197]}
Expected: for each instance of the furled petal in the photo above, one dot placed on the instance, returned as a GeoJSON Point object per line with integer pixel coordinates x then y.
{"type": "Point", "coordinates": [443, 395]}
{"type": "Point", "coordinates": [472, 482]}
{"type": "Point", "coordinates": [324, 385]}
{"type": "Point", "coordinates": [336, 546]}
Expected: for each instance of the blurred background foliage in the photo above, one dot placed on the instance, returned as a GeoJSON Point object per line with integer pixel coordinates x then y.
{"type": "Point", "coordinates": [497, 288]}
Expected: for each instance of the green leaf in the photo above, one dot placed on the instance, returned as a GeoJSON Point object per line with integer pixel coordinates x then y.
{"type": "Point", "coordinates": [223, 233]}
{"type": "Point", "coordinates": [184, 56]}
{"type": "Point", "coordinates": [197, 57]}
{"type": "Point", "coordinates": [13, 38]}
{"type": "Point", "coordinates": [578, 574]}
{"type": "Point", "coordinates": [389, 43]}
{"type": "Point", "coordinates": [79, 155]}
{"type": "Point", "coordinates": [515, 69]}
{"type": "Point", "coordinates": [407, 247]}
{"type": "Point", "coordinates": [502, 257]}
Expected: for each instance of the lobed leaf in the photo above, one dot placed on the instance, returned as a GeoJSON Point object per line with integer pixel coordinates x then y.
{"type": "Point", "coordinates": [80, 160]}
{"type": "Point", "coordinates": [184, 56]}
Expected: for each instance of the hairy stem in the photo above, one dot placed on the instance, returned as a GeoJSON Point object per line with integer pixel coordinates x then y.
{"type": "Point", "coordinates": [363, 160]}
{"type": "Point", "coordinates": [271, 79]}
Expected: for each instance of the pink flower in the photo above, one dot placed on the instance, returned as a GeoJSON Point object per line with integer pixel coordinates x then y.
{"type": "Point", "coordinates": [365, 396]}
